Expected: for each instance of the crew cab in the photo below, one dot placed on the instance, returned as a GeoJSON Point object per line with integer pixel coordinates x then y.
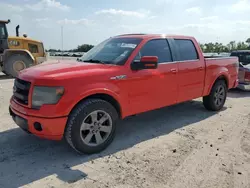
{"type": "Point", "coordinates": [122, 76]}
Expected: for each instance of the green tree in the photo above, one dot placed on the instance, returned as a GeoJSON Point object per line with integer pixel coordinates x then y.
{"type": "Point", "coordinates": [218, 47]}
{"type": "Point", "coordinates": [209, 47]}
{"type": "Point", "coordinates": [248, 41]}
{"type": "Point", "coordinates": [232, 46]}
{"type": "Point", "coordinates": [202, 47]}
{"type": "Point", "coordinates": [241, 46]}
{"type": "Point", "coordinates": [84, 47]}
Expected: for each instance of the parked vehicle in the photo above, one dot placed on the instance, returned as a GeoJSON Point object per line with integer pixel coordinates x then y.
{"type": "Point", "coordinates": [77, 54]}
{"type": "Point", "coordinates": [243, 55]}
{"type": "Point", "coordinates": [244, 77]}
{"type": "Point", "coordinates": [122, 76]}
{"type": "Point", "coordinates": [52, 53]}
{"type": "Point", "coordinates": [244, 68]}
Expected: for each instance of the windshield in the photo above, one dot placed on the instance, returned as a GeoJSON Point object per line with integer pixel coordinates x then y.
{"type": "Point", "coordinates": [112, 51]}
{"type": "Point", "coordinates": [3, 33]}
{"type": "Point", "coordinates": [243, 57]}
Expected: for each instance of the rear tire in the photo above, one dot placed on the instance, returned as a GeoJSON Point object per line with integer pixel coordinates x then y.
{"type": "Point", "coordinates": [15, 63]}
{"type": "Point", "coordinates": [217, 97]}
{"type": "Point", "coordinates": [86, 130]}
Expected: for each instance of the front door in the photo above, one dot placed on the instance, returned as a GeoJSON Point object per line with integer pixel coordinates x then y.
{"type": "Point", "coordinates": [153, 88]}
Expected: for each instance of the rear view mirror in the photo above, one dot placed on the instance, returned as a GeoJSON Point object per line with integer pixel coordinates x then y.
{"type": "Point", "coordinates": [146, 62]}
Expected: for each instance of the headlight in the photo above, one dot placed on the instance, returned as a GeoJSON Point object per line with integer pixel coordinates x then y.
{"type": "Point", "coordinates": [46, 95]}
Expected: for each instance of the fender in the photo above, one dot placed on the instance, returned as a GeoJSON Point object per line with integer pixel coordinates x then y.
{"type": "Point", "coordinates": [7, 52]}
{"type": "Point", "coordinates": [224, 74]}
{"type": "Point", "coordinates": [104, 88]}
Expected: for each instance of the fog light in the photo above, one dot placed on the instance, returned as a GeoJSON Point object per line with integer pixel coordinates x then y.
{"type": "Point", "coordinates": [38, 126]}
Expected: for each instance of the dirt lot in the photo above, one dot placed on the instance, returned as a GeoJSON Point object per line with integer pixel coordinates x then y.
{"type": "Point", "coordinates": [179, 146]}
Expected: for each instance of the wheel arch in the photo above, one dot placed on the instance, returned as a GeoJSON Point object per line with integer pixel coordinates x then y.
{"type": "Point", "coordinates": [104, 96]}
{"type": "Point", "coordinates": [9, 52]}
{"type": "Point", "coordinates": [223, 77]}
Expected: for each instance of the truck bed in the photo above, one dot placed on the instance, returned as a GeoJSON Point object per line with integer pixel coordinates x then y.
{"type": "Point", "coordinates": [214, 67]}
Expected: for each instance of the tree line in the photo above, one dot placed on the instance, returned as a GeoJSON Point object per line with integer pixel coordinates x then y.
{"type": "Point", "coordinates": [206, 48]}
{"type": "Point", "coordinates": [219, 47]}
{"type": "Point", "coordinates": [80, 48]}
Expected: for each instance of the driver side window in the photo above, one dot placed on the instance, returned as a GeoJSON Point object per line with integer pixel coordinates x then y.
{"type": "Point", "coordinates": [157, 47]}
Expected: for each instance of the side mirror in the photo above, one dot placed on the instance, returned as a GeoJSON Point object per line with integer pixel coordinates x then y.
{"type": "Point", "coordinates": [146, 62]}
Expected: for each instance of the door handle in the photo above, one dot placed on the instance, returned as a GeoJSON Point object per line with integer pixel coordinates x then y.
{"type": "Point", "coordinates": [200, 68]}
{"type": "Point", "coordinates": [174, 71]}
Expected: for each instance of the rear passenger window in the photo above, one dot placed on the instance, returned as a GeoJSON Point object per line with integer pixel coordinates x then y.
{"type": "Point", "coordinates": [187, 50]}
{"type": "Point", "coordinates": [159, 48]}
{"type": "Point", "coordinates": [33, 48]}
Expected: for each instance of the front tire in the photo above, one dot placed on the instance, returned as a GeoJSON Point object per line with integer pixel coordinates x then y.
{"type": "Point", "coordinates": [15, 63]}
{"type": "Point", "coordinates": [91, 126]}
{"type": "Point", "coordinates": [217, 97]}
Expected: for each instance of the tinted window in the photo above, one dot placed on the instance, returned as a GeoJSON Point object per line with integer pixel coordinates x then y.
{"type": "Point", "coordinates": [3, 34]}
{"type": "Point", "coordinates": [33, 48]}
{"type": "Point", "coordinates": [187, 50]}
{"type": "Point", "coordinates": [159, 48]}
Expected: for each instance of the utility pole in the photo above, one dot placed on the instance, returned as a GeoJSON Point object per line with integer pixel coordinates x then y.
{"type": "Point", "coordinates": [62, 38]}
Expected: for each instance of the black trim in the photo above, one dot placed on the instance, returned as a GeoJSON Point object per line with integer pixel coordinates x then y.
{"type": "Point", "coordinates": [174, 49]}
{"type": "Point", "coordinates": [21, 122]}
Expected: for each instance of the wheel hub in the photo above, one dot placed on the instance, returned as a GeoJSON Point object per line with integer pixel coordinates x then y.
{"type": "Point", "coordinates": [96, 128]}
{"type": "Point", "coordinates": [219, 95]}
{"type": "Point", "coordinates": [18, 66]}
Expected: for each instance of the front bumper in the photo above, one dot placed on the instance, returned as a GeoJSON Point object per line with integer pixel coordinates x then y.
{"type": "Point", "coordinates": [48, 128]}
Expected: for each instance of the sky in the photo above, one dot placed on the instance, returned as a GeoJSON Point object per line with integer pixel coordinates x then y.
{"type": "Point", "coordinates": [92, 21]}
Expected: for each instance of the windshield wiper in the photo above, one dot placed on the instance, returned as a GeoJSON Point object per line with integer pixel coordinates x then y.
{"type": "Point", "coordinates": [94, 61]}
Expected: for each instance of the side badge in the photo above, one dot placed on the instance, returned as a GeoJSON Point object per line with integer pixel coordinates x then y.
{"type": "Point", "coordinates": [120, 77]}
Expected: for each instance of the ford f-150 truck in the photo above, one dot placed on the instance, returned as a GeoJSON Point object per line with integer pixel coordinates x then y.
{"type": "Point", "coordinates": [122, 76]}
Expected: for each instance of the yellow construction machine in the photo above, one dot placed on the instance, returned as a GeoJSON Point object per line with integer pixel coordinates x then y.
{"type": "Point", "coordinates": [19, 52]}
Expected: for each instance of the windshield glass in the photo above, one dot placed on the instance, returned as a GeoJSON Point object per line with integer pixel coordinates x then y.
{"type": "Point", "coordinates": [3, 34]}
{"type": "Point", "coordinates": [112, 51]}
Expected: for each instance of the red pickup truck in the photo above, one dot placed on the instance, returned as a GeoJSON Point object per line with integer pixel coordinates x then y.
{"type": "Point", "coordinates": [122, 76]}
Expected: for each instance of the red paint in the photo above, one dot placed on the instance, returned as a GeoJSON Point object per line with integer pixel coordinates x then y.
{"type": "Point", "coordinates": [141, 91]}
{"type": "Point", "coordinates": [53, 128]}
{"type": "Point", "coordinates": [149, 59]}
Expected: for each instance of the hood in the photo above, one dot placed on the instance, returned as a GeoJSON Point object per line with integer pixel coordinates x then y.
{"type": "Point", "coordinates": [62, 69]}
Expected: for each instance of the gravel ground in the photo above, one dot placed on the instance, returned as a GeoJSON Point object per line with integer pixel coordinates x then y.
{"type": "Point", "coordinates": [179, 146]}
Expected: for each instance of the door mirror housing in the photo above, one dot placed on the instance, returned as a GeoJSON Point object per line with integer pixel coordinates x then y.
{"type": "Point", "coordinates": [146, 62]}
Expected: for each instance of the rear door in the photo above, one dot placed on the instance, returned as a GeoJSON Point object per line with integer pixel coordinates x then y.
{"type": "Point", "coordinates": [191, 70]}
